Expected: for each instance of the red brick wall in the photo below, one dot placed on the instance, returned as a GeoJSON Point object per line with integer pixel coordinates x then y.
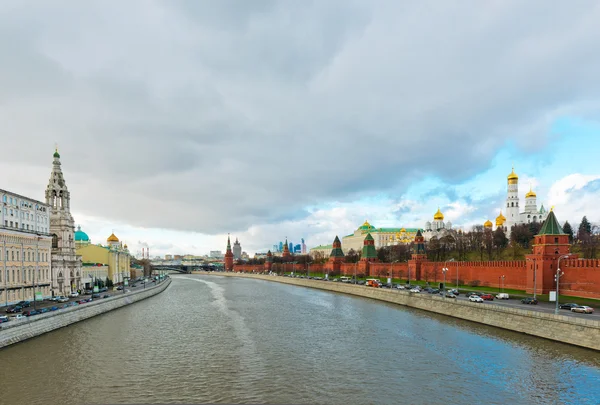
{"type": "Point", "coordinates": [581, 278]}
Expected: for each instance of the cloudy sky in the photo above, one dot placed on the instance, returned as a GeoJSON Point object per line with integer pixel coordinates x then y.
{"type": "Point", "coordinates": [181, 121]}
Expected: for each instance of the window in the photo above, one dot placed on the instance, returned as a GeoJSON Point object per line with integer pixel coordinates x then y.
{"type": "Point", "coordinates": [12, 255]}
{"type": "Point", "coordinates": [17, 255]}
{"type": "Point", "coordinates": [13, 276]}
{"type": "Point", "coordinates": [54, 241]}
{"type": "Point", "coordinates": [4, 198]}
{"type": "Point", "coordinates": [556, 240]}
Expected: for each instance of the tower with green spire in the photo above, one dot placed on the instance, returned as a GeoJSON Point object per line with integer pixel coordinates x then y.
{"type": "Point", "coordinates": [369, 253]}
{"type": "Point", "coordinates": [228, 256]}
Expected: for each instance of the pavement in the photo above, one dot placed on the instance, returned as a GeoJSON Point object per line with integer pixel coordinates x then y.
{"type": "Point", "coordinates": [49, 304]}
{"type": "Point", "coordinates": [547, 307]}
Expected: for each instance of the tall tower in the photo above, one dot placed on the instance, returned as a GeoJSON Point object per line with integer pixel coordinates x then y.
{"type": "Point", "coordinates": [237, 250]}
{"type": "Point", "coordinates": [286, 251]}
{"type": "Point", "coordinates": [66, 265]}
{"type": "Point", "coordinates": [512, 201]}
{"type": "Point", "coordinates": [228, 256]}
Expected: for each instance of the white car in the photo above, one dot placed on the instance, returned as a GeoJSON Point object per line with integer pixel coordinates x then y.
{"type": "Point", "coordinates": [584, 309]}
{"type": "Point", "coordinates": [502, 296]}
{"type": "Point", "coordinates": [18, 317]}
{"type": "Point", "coordinates": [60, 298]}
{"type": "Point", "coordinates": [400, 287]}
{"type": "Point", "coordinates": [74, 294]}
{"type": "Point", "coordinates": [415, 290]}
{"type": "Point", "coordinates": [475, 298]}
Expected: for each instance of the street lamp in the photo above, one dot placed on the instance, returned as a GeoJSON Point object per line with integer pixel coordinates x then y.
{"type": "Point", "coordinates": [534, 277]}
{"type": "Point", "coordinates": [503, 276]}
{"type": "Point", "coordinates": [444, 270]}
{"type": "Point", "coordinates": [355, 266]}
{"type": "Point", "coordinates": [558, 274]}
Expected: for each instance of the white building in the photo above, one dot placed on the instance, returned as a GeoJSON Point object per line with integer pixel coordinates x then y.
{"type": "Point", "coordinates": [216, 254]}
{"type": "Point", "coordinates": [514, 215]}
{"type": "Point", "coordinates": [24, 248]}
{"type": "Point", "coordinates": [66, 265]}
{"type": "Point", "coordinates": [438, 227]}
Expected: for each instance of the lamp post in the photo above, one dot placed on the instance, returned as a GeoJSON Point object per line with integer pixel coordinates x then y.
{"type": "Point", "coordinates": [558, 274]}
{"type": "Point", "coordinates": [444, 270]}
{"type": "Point", "coordinates": [503, 276]}
{"type": "Point", "coordinates": [355, 267]}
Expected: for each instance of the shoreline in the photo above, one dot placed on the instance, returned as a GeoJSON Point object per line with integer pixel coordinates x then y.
{"type": "Point", "coordinates": [574, 331]}
{"type": "Point", "coordinates": [19, 331]}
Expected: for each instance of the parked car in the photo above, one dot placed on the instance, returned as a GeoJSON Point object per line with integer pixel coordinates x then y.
{"type": "Point", "coordinates": [448, 294]}
{"type": "Point", "coordinates": [434, 291]}
{"type": "Point", "coordinates": [95, 295]}
{"type": "Point", "coordinates": [62, 299]}
{"type": "Point", "coordinates": [18, 317]}
{"type": "Point", "coordinates": [24, 304]}
{"type": "Point", "coordinates": [502, 296]}
{"type": "Point", "coordinates": [529, 301]}
{"type": "Point", "coordinates": [3, 318]}
{"type": "Point", "coordinates": [81, 302]}
{"type": "Point", "coordinates": [568, 306]}
{"type": "Point", "coordinates": [487, 297]}
{"type": "Point", "coordinates": [415, 290]}
{"type": "Point", "coordinates": [454, 291]}
{"type": "Point", "coordinates": [119, 288]}
{"type": "Point", "coordinates": [31, 312]}
{"type": "Point", "coordinates": [583, 309]}
{"type": "Point", "coordinates": [14, 309]}
{"type": "Point", "coordinates": [54, 308]}
{"type": "Point", "coordinates": [106, 296]}
{"type": "Point", "coordinates": [89, 291]}
{"type": "Point", "coordinates": [43, 310]}
{"type": "Point", "coordinates": [475, 298]}
{"type": "Point", "coordinates": [103, 289]}
{"type": "Point", "coordinates": [477, 293]}
{"type": "Point", "coordinates": [74, 294]}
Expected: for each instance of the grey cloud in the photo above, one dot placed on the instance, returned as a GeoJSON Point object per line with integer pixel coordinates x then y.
{"type": "Point", "coordinates": [213, 116]}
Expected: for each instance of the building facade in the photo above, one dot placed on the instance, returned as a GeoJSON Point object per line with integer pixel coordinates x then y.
{"type": "Point", "coordinates": [115, 257]}
{"type": "Point", "coordinates": [25, 255]}
{"type": "Point", "coordinates": [437, 228]}
{"type": "Point", "coordinates": [381, 237]}
{"type": "Point", "coordinates": [66, 265]}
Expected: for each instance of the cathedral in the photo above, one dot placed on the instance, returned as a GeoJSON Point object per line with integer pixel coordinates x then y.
{"type": "Point", "coordinates": [514, 215]}
{"type": "Point", "coordinates": [65, 264]}
{"type": "Point", "coordinates": [438, 228]}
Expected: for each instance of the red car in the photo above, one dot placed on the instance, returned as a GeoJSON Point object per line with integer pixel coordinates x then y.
{"type": "Point", "coordinates": [487, 297]}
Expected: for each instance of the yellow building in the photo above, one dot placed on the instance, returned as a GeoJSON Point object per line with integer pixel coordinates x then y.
{"type": "Point", "coordinates": [115, 256]}
{"type": "Point", "coordinates": [382, 237]}
{"type": "Point", "coordinates": [25, 249]}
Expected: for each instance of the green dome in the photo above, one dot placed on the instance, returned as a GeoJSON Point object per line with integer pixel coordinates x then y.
{"type": "Point", "coordinates": [56, 155]}
{"type": "Point", "coordinates": [80, 236]}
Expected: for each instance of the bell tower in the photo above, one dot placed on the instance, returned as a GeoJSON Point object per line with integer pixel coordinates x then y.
{"type": "Point", "coordinates": [66, 265]}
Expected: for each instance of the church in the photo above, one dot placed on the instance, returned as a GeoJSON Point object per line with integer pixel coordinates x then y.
{"type": "Point", "coordinates": [514, 215]}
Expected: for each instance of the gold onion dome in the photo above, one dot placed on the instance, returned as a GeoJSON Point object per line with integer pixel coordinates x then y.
{"type": "Point", "coordinates": [500, 219]}
{"type": "Point", "coordinates": [112, 238]}
{"type": "Point", "coordinates": [530, 193]}
{"type": "Point", "coordinates": [488, 224]}
{"type": "Point", "coordinates": [513, 175]}
{"type": "Point", "coordinates": [438, 216]}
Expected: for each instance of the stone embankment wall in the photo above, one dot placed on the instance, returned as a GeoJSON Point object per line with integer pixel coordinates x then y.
{"type": "Point", "coordinates": [566, 329]}
{"type": "Point", "coordinates": [17, 331]}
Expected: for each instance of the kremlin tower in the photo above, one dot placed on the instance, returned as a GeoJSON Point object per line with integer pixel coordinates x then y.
{"type": "Point", "coordinates": [286, 255]}
{"type": "Point", "coordinates": [228, 256]}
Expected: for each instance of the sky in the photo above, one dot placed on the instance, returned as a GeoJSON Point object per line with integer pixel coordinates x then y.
{"type": "Point", "coordinates": [179, 122]}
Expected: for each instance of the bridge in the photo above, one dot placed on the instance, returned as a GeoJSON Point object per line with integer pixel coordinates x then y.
{"type": "Point", "coordinates": [188, 267]}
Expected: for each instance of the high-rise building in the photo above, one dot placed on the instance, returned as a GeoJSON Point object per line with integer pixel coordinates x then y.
{"type": "Point", "coordinates": [237, 250]}
{"type": "Point", "coordinates": [66, 265]}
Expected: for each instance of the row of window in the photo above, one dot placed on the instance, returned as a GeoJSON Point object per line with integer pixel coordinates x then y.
{"type": "Point", "coordinates": [27, 256]}
{"type": "Point", "coordinates": [23, 203]}
{"type": "Point", "coordinates": [25, 227]}
{"type": "Point", "coordinates": [28, 275]}
{"type": "Point", "coordinates": [24, 215]}
{"type": "Point", "coordinates": [512, 204]}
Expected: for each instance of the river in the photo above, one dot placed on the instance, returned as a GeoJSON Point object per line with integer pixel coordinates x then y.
{"type": "Point", "coordinates": [211, 339]}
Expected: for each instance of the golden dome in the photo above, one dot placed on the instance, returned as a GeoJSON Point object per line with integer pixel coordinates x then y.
{"type": "Point", "coordinates": [500, 219]}
{"type": "Point", "coordinates": [125, 246]}
{"type": "Point", "coordinates": [438, 216]}
{"type": "Point", "coordinates": [530, 194]}
{"type": "Point", "coordinates": [488, 224]}
{"type": "Point", "coordinates": [112, 238]}
{"type": "Point", "coordinates": [512, 177]}
{"type": "Point", "coordinates": [366, 224]}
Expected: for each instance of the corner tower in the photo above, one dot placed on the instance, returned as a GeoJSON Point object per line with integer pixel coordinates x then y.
{"type": "Point", "coordinates": [66, 265]}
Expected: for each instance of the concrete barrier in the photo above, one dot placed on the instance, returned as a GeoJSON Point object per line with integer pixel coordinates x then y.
{"type": "Point", "coordinates": [561, 328]}
{"type": "Point", "coordinates": [17, 331]}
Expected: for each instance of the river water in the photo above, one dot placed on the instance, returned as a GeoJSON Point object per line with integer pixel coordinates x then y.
{"type": "Point", "coordinates": [211, 339]}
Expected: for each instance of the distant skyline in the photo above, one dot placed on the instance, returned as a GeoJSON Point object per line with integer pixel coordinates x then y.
{"type": "Point", "coordinates": [264, 119]}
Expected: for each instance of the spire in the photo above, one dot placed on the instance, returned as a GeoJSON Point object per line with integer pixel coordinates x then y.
{"type": "Point", "coordinates": [551, 226]}
{"type": "Point", "coordinates": [336, 250]}
{"type": "Point", "coordinates": [228, 243]}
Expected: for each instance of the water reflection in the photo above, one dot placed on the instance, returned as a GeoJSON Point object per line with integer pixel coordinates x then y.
{"type": "Point", "coordinates": [216, 339]}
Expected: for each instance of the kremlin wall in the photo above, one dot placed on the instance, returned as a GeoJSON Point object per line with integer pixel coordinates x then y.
{"type": "Point", "coordinates": [580, 278]}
